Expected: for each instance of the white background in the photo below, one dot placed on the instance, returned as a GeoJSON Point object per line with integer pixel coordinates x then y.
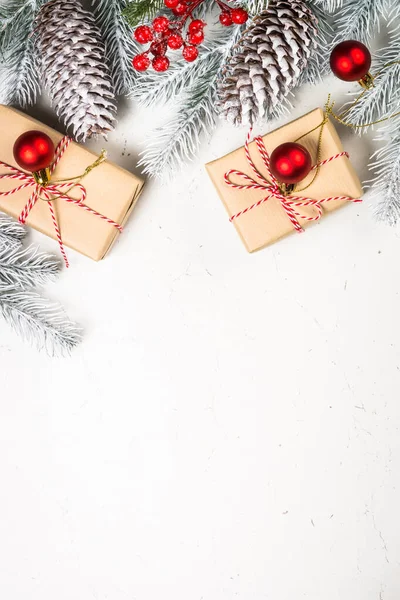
{"type": "Point", "coordinates": [229, 427]}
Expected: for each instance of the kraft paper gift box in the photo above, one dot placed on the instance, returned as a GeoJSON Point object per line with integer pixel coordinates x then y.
{"type": "Point", "coordinates": [111, 191]}
{"type": "Point", "coordinates": [268, 223]}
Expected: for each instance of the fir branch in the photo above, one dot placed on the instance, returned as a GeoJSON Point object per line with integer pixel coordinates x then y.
{"type": "Point", "coordinates": [180, 138]}
{"type": "Point", "coordinates": [24, 268]}
{"type": "Point", "coordinates": [137, 11]}
{"type": "Point", "coordinates": [19, 63]}
{"type": "Point", "coordinates": [254, 7]}
{"type": "Point", "coordinates": [117, 36]}
{"type": "Point", "coordinates": [11, 232]}
{"type": "Point", "coordinates": [386, 184]}
{"type": "Point", "coordinates": [40, 321]}
{"type": "Point", "coordinates": [384, 98]}
{"type": "Point", "coordinates": [359, 19]}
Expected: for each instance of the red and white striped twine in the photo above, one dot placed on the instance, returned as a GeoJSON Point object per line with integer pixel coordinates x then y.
{"type": "Point", "coordinates": [271, 185]}
{"type": "Point", "coordinates": [50, 192]}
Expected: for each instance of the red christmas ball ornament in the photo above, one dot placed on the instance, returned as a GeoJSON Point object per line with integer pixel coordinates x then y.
{"type": "Point", "coordinates": [175, 41]}
{"type": "Point", "coordinates": [196, 37]}
{"type": "Point", "coordinates": [143, 34]}
{"type": "Point", "coordinates": [351, 61]}
{"type": "Point", "coordinates": [160, 63]}
{"type": "Point", "coordinates": [160, 24]}
{"type": "Point", "coordinates": [171, 3]}
{"type": "Point", "coordinates": [239, 16]}
{"type": "Point", "coordinates": [225, 18]}
{"type": "Point", "coordinates": [290, 163]}
{"type": "Point", "coordinates": [190, 53]}
{"type": "Point", "coordinates": [141, 62]}
{"type": "Point", "coordinates": [34, 151]}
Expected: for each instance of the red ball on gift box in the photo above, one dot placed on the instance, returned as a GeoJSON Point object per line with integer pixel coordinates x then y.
{"type": "Point", "coordinates": [290, 163]}
{"type": "Point", "coordinates": [350, 61]}
{"type": "Point", "coordinates": [34, 151]}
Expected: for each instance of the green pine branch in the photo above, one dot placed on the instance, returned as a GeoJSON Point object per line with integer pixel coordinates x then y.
{"type": "Point", "coordinates": [142, 10]}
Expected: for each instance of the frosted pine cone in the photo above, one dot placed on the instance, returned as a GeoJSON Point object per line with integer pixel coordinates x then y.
{"type": "Point", "coordinates": [267, 62]}
{"type": "Point", "coordinates": [74, 67]}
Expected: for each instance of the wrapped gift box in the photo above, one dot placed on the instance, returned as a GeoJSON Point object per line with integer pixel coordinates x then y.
{"type": "Point", "coordinates": [268, 223]}
{"type": "Point", "coordinates": [111, 191]}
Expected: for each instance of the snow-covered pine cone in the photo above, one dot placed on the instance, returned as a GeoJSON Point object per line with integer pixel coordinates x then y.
{"type": "Point", "coordinates": [74, 67]}
{"type": "Point", "coordinates": [267, 62]}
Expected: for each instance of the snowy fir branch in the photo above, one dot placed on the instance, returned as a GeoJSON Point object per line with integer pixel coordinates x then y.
{"type": "Point", "coordinates": [384, 98]}
{"type": "Point", "coordinates": [22, 268]}
{"type": "Point", "coordinates": [196, 83]}
{"type": "Point", "coordinates": [117, 36]}
{"type": "Point", "coordinates": [360, 19]}
{"type": "Point", "coordinates": [35, 318]}
{"type": "Point", "coordinates": [386, 167]}
{"type": "Point", "coordinates": [19, 63]}
{"type": "Point", "coordinates": [39, 321]}
{"type": "Point", "coordinates": [180, 138]}
{"type": "Point", "coordinates": [12, 233]}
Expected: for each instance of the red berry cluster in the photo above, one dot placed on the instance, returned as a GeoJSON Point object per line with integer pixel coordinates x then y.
{"type": "Point", "coordinates": [164, 34]}
{"type": "Point", "coordinates": [233, 16]}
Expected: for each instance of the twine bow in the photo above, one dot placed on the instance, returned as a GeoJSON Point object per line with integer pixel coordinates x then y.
{"type": "Point", "coordinates": [290, 203]}
{"type": "Point", "coordinates": [55, 190]}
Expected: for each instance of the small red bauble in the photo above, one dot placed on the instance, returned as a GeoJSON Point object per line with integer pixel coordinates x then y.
{"type": "Point", "coordinates": [34, 151]}
{"type": "Point", "coordinates": [141, 62]}
{"type": "Point", "coordinates": [160, 24]}
{"type": "Point", "coordinates": [179, 9]}
{"type": "Point", "coordinates": [225, 18]}
{"type": "Point", "coordinates": [143, 34]}
{"type": "Point", "coordinates": [160, 63]}
{"type": "Point", "coordinates": [175, 41]}
{"type": "Point", "coordinates": [239, 16]}
{"type": "Point", "coordinates": [190, 53]}
{"type": "Point", "coordinates": [196, 37]}
{"type": "Point", "coordinates": [171, 3]}
{"type": "Point", "coordinates": [196, 25]}
{"type": "Point", "coordinates": [290, 163]}
{"type": "Point", "coordinates": [350, 61]}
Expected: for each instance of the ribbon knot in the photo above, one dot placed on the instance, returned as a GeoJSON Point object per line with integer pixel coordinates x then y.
{"type": "Point", "coordinates": [291, 204]}
{"type": "Point", "coordinates": [54, 190]}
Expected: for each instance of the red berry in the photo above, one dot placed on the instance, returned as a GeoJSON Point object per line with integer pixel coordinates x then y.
{"type": "Point", "coordinates": [190, 53]}
{"type": "Point", "coordinates": [143, 34]}
{"type": "Point", "coordinates": [239, 16]}
{"type": "Point", "coordinates": [180, 8]}
{"type": "Point", "coordinates": [196, 25]}
{"type": "Point", "coordinates": [141, 62]}
{"type": "Point", "coordinates": [196, 37]}
{"type": "Point", "coordinates": [225, 18]}
{"type": "Point", "coordinates": [175, 41]}
{"type": "Point", "coordinates": [160, 63]}
{"type": "Point", "coordinates": [157, 48]}
{"type": "Point", "coordinates": [171, 3]}
{"type": "Point", "coordinates": [160, 24]}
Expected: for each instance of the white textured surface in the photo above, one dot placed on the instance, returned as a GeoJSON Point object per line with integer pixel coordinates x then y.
{"type": "Point", "coordinates": [229, 428]}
